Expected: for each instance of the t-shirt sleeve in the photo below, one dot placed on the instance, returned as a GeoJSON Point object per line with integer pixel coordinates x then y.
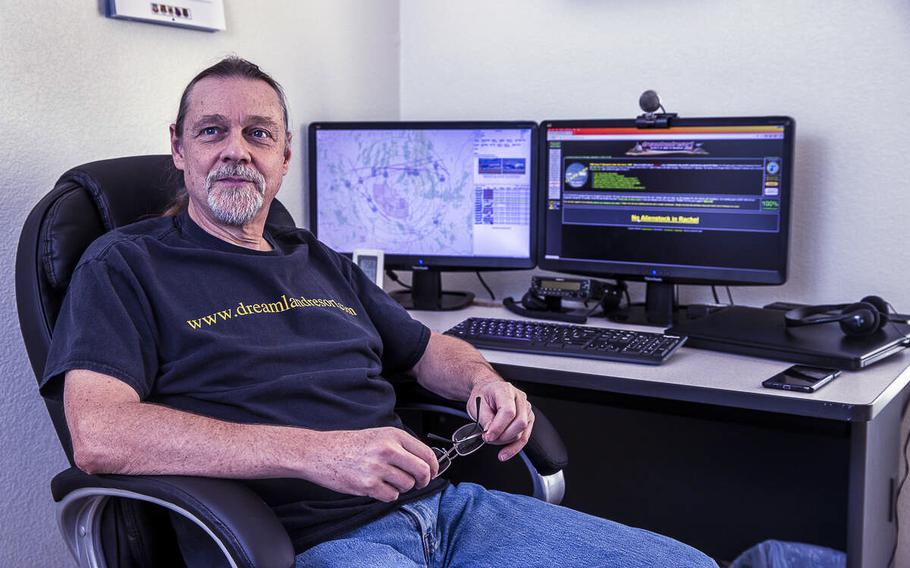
{"type": "Point", "coordinates": [404, 339]}
{"type": "Point", "coordinates": [105, 325]}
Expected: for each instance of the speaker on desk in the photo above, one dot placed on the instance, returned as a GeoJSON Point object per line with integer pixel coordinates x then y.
{"type": "Point", "coordinates": [859, 319]}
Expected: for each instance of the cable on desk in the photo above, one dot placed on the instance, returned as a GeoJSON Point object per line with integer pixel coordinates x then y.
{"type": "Point", "coordinates": [717, 298]}
{"type": "Point", "coordinates": [479, 277]}
{"type": "Point", "coordinates": [598, 304]}
{"type": "Point", "coordinates": [391, 274]}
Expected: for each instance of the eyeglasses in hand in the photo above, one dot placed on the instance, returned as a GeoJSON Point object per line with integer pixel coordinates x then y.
{"type": "Point", "coordinates": [466, 440]}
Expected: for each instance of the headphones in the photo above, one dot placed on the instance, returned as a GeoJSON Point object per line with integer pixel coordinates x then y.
{"type": "Point", "coordinates": [860, 319]}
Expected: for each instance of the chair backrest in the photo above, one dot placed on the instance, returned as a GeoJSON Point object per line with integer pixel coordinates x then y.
{"type": "Point", "coordinates": [86, 202]}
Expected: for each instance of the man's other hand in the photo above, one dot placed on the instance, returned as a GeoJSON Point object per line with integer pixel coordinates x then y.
{"type": "Point", "coordinates": [505, 415]}
{"type": "Point", "coordinates": [380, 463]}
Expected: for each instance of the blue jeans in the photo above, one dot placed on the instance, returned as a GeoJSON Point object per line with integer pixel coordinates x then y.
{"type": "Point", "coordinates": [467, 525]}
{"type": "Point", "coordinates": [781, 554]}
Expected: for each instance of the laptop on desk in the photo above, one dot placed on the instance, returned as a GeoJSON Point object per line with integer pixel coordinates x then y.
{"type": "Point", "coordinates": [763, 333]}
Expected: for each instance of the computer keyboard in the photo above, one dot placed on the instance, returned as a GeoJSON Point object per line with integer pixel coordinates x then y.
{"type": "Point", "coordinates": [588, 342]}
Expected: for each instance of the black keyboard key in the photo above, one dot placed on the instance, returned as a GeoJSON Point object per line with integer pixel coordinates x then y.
{"type": "Point", "coordinates": [517, 339]}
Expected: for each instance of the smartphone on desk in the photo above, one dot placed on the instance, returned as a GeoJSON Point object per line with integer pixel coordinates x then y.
{"type": "Point", "coordinates": [802, 378]}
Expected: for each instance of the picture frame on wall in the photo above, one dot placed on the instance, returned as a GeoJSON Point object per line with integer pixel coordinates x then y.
{"type": "Point", "coordinates": [203, 15]}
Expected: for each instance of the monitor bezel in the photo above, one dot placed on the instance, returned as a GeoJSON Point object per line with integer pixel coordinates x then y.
{"type": "Point", "coordinates": [448, 263]}
{"type": "Point", "coordinates": [673, 275]}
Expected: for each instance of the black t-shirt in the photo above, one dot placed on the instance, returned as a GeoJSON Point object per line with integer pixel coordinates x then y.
{"type": "Point", "coordinates": [295, 336]}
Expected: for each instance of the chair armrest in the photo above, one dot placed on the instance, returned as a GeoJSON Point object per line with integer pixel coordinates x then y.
{"type": "Point", "coordinates": [239, 521]}
{"type": "Point", "coordinates": [545, 449]}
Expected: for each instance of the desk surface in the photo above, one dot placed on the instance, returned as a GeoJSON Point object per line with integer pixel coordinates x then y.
{"type": "Point", "coordinates": [696, 375]}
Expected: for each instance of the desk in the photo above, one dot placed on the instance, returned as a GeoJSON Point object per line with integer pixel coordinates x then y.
{"type": "Point", "coordinates": [743, 463]}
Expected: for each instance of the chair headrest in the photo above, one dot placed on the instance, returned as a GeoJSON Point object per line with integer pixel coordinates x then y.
{"type": "Point", "coordinates": [98, 197]}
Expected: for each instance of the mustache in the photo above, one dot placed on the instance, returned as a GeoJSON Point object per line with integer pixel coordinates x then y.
{"type": "Point", "coordinates": [236, 171]}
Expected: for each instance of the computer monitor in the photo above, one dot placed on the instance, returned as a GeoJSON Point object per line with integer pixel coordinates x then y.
{"type": "Point", "coordinates": [433, 196]}
{"type": "Point", "coordinates": [706, 201]}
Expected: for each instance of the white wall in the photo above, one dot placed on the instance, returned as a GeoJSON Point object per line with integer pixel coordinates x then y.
{"type": "Point", "coordinates": [841, 69]}
{"type": "Point", "coordinates": [77, 87]}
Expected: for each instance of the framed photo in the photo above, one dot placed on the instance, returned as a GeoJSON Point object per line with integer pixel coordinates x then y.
{"type": "Point", "coordinates": [205, 15]}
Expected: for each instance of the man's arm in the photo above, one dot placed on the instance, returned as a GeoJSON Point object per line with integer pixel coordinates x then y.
{"type": "Point", "coordinates": [454, 369]}
{"type": "Point", "coordinates": [113, 431]}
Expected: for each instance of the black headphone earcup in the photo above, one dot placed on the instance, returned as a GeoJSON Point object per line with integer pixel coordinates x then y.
{"type": "Point", "coordinates": [859, 319]}
{"type": "Point", "coordinates": [882, 306]}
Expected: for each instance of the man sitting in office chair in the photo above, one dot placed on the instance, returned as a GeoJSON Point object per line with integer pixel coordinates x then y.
{"type": "Point", "coordinates": [207, 343]}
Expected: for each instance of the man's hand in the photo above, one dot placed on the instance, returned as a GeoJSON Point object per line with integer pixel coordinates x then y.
{"type": "Point", "coordinates": [113, 431]}
{"type": "Point", "coordinates": [380, 463]}
{"type": "Point", "coordinates": [505, 415]}
{"type": "Point", "coordinates": [451, 368]}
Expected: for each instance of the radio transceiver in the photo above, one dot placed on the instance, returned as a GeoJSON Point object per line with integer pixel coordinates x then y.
{"type": "Point", "coordinates": [576, 289]}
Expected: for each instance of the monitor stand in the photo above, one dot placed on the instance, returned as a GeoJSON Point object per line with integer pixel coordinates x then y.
{"type": "Point", "coordinates": [659, 308]}
{"type": "Point", "coordinates": [426, 294]}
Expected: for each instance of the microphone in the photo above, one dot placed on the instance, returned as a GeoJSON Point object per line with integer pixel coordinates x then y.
{"type": "Point", "coordinates": [649, 101]}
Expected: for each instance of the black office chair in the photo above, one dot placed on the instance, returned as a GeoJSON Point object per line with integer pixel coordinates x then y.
{"type": "Point", "coordinates": [120, 520]}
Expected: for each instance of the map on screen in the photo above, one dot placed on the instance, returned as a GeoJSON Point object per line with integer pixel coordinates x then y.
{"type": "Point", "coordinates": [426, 192]}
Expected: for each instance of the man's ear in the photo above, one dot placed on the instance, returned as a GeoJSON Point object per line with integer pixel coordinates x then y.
{"type": "Point", "coordinates": [177, 149]}
{"type": "Point", "coordinates": [287, 150]}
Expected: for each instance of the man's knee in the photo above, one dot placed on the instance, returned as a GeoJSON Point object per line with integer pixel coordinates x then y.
{"type": "Point", "coordinates": [772, 553]}
{"type": "Point", "coordinates": [696, 559]}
